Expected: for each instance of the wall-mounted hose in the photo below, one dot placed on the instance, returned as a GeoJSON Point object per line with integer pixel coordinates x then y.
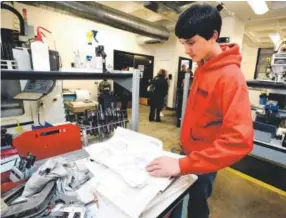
{"type": "Point", "coordinates": [14, 11]}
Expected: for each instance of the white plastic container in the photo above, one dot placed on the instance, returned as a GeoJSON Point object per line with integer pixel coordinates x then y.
{"type": "Point", "coordinates": [89, 59]}
{"type": "Point", "coordinates": [98, 62]}
{"type": "Point", "coordinates": [40, 53]}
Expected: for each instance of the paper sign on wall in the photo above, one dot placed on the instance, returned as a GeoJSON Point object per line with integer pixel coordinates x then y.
{"type": "Point", "coordinates": [141, 68]}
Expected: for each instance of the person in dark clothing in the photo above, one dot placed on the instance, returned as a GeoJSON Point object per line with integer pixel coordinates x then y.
{"type": "Point", "coordinates": [189, 70]}
{"type": "Point", "coordinates": [181, 76]}
{"type": "Point", "coordinates": [159, 90]}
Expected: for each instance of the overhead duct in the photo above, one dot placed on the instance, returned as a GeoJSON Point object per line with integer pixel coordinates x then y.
{"type": "Point", "coordinates": [143, 40]}
{"type": "Point", "coordinates": [109, 16]}
{"type": "Point", "coordinates": [163, 6]}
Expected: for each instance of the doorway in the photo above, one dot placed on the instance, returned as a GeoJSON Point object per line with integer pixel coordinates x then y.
{"type": "Point", "coordinates": [179, 92]}
{"type": "Point", "coordinates": [183, 61]}
{"type": "Point", "coordinates": [138, 61]}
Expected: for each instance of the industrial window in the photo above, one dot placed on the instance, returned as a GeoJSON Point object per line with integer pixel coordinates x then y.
{"type": "Point", "coordinates": [9, 106]}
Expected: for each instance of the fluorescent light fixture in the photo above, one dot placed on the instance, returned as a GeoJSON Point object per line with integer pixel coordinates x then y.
{"type": "Point", "coordinates": [275, 37]}
{"type": "Point", "coordinates": [258, 6]}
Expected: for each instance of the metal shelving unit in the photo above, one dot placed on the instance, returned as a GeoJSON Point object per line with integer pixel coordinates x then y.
{"type": "Point", "coordinates": [130, 81]}
{"type": "Point", "coordinates": [266, 84]}
{"type": "Point", "coordinates": [274, 87]}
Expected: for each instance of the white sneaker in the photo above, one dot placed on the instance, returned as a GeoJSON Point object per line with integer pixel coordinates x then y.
{"type": "Point", "coordinates": [161, 114]}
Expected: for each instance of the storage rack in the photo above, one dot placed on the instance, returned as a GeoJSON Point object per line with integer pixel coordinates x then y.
{"type": "Point", "coordinates": [130, 81]}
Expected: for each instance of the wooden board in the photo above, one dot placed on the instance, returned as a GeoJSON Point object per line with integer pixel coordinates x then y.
{"type": "Point", "coordinates": [81, 106]}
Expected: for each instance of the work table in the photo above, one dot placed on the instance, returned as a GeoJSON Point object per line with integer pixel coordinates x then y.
{"type": "Point", "coordinates": [162, 204]}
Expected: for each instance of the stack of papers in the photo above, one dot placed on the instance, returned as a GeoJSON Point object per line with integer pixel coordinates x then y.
{"type": "Point", "coordinates": [118, 166]}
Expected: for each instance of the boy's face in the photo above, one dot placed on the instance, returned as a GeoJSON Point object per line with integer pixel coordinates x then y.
{"type": "Point", "coordinates": [198, 48]}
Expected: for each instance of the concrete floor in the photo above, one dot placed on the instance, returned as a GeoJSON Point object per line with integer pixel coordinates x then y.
{"type": "Point", "coordinates": [233, 196]}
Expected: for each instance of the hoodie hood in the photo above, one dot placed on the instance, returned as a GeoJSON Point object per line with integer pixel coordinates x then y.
{"type": "Point", "coordinates": [230, 55]}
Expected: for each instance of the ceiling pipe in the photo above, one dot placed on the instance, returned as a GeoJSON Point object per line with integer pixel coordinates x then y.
{"type": "Point", "coordinates": [109, 16]}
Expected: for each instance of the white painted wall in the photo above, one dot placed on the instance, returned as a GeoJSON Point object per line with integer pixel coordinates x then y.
{"type": "Point", "coordinates": [249, 58]}
{"type": "Point", "coordinates": [69, 34]}
{"type": "Point", "coordinates": [233, 28]}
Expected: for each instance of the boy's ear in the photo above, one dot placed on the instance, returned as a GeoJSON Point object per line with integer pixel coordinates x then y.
{"type": "Point", "coordinates": [215, 36]}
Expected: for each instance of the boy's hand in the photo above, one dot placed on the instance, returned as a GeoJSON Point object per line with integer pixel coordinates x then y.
{"type": "Point", "coordinates": [164, 167]}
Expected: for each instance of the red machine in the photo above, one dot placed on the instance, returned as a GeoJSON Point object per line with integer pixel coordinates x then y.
{"type": "Point", "coordinates": [48, 142]}
{"type": "Point", "coordinates": [42, 143]}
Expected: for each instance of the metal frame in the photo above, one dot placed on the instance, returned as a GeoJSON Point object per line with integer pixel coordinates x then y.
{"type": "Point", "coordinates": [130, 81]}
{"type": "Point", "coordinates": [266, 84]}
{"type": "Point", "coordinates": [185, 95]}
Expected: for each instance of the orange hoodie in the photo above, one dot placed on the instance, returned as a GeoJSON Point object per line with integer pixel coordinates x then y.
{"type": "Point", "coordinates": [217, 129]}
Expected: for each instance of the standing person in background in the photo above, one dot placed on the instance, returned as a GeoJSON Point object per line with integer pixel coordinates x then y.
{"type": "Point", "coordinates": [166, 97]}
{"type": "Point", "coordinates": [159, 90]}
{"type": "Point", "coordinates": [181, 76]}
{"type": "Point", "coordinates": [189, 70]}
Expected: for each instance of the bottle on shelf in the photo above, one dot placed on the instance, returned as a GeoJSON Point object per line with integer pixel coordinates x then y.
{"type": "Point", "coordinates": [40, 51]}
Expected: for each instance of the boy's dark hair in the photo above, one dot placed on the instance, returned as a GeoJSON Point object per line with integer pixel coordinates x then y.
{"type": "Point", "coordinates": [199, 19]}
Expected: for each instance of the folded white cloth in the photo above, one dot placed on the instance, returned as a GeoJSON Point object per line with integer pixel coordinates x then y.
{"type": "Point", "coordinates": [125, 159]}
{"type": "Point", "coordinates": [131, 168]}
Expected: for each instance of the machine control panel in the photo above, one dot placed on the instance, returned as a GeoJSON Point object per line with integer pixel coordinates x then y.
{"type": "Point", "coordinates": [39, 86]}
{"type": "Point", "coordinates": [36, 89]}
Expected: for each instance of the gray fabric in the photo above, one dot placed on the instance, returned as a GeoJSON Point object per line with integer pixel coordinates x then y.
{"type": "Point", "coordinates": [66, 173]}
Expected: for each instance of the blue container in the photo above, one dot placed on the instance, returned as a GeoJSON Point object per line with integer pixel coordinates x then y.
{"type": "Point", "coordinates": [40, 127]}
{"type": "Point", "coordinates": [274, 108]}
{"type": "Point", "coordinates": [262, 99]}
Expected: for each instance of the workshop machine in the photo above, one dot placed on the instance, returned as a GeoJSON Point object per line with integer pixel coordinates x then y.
{"type": "Point", "coordinates": [23, 100]}
{"type": "Point", "coordinates": [270, 121]}
{"type": "Point", "coordinates": [18, 158]}
{"type": "Point", "coordinates": [16, 54]}
{"type": "Point", "coordinates": [49, 141]}
{"type": "Point", "coordinates": [277, 70]}
{"type": "Point", "coordinates": [27, 101]}
{"type": "Point", "coordinates": [269, 125]}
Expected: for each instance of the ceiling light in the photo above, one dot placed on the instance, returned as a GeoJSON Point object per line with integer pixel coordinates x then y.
{"type": "Point", "coordinates": [258, 6]}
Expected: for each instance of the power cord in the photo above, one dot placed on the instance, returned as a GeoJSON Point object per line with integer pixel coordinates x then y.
{"type": "Point", "coordinates": [39, 119]}
{"type": "Point", "coordinates": [40, 104]}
